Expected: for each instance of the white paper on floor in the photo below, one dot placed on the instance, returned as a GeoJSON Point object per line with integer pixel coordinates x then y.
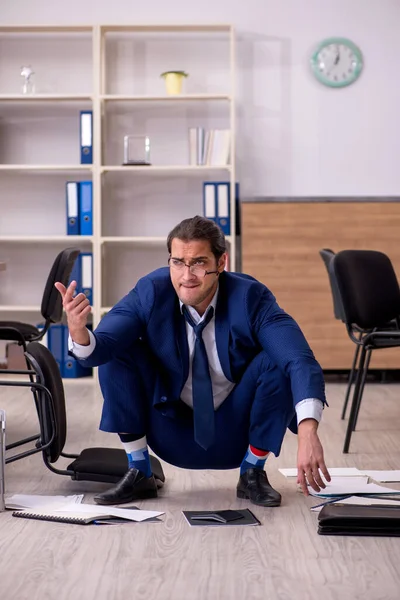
{"type": "Point", "coordinates": [20, 501]}
{"type": "Point", "coordinates": [346, 486]}
{"type": "Point", "coordinates": [379, 475]}
{"type": "Point", "coordinates": [334, 471]}
{"type": "Point", "coordinates": [359, 501]}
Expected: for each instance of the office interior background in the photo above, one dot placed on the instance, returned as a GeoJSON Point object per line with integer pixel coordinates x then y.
{"type": "Point", "coordinates": [316, 167]}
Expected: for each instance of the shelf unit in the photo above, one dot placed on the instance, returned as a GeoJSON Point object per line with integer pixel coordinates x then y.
{"type": "Point", "coordinates": [180, 98]}
{"type": "Point", "coordinates": [131, 97]}
{"type": "Point", "coordinates": [68, 239]}
{"type": "Point", "coordinates": [14, 308]}
{"type": "Point", "coordinates": [55, 168]}
{"type": "Point", "coordinates": [163, 168]}
{"type": "Point", "coordinates": [45, 97]}
{"type": "Point", "coordinates": [116, 72]}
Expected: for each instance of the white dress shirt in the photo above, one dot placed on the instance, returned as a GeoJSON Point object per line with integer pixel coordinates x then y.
{"type": "Point", "coordinates": [309, 408]}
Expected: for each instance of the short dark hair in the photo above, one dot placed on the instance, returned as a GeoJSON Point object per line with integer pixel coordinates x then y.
{"type": "Point", "coordinates": [199, 228]}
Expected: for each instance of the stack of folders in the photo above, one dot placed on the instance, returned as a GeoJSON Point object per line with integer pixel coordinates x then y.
{"type": "Point", "coordinates": [79, 200]}
{"type": "Point", "coordinates": [79, 194]}
{"type": "Point", "coordinates": [378, 520]}
{"type": "Point", "coordinates": [57, 342]}
{"type": "Point", "coordinates": [211, 147]}
{"type": "Point", "coordinates": [217, 204]}
{"type": "Point", "coordinates": [355, 506]}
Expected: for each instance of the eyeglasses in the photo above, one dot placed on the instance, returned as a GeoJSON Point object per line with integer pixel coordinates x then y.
{"type": "Point", "coordinates": [179, 265]}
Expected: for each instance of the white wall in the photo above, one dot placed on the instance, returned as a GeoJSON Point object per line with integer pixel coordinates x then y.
{"type": "Point", "coordinates": [296, 137]}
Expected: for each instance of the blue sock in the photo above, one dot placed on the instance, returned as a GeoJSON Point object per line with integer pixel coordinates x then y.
{"type": "Point", "coordinates": [254, 459]}
{"type": "Point", "coordinates": [137, 452]}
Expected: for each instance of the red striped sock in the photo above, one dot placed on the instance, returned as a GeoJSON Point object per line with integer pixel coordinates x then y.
{"type": "Point", "coordinates": [257, 452]}
{"type": "Point", "coordinates": [254, 459]}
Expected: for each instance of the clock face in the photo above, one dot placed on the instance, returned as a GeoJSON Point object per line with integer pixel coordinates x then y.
{"type": "Point", "coordinates": [337, 62]}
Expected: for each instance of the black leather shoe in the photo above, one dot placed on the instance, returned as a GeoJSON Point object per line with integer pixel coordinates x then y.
{"type": "Point", "coordinates": [133, 486]}
{"type": "Point", "coordinates": [254, 485]}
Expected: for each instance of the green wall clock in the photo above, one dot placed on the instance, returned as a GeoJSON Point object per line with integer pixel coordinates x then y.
{"type": "Point", "coordinates": [337, 62]}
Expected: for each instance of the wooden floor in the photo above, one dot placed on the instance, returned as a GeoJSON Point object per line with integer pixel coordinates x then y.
{"type": "Point", "coordinates": [284, 559]}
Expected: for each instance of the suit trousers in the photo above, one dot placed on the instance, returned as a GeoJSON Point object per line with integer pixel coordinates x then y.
{"type": "Point", "coordinates": [257, 411]}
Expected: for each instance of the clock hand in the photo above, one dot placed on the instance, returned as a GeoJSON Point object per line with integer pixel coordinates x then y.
{"type": "Point", "coordinates": [335, 62]}
{"type": "Point", "coordinates": [337, 56]}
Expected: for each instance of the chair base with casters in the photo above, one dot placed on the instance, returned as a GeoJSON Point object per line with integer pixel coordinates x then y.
{"type": "Point", "coordinates": [107, 465]}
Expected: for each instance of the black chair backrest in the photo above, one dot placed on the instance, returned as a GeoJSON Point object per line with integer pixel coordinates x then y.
{"type": "Point", "coordinates": [44, 363]}
{"type": "Point", "coordinates": [327, 256]}
{"type": "Point", "coordinates": [51, 308]}
{"type": "Point", "coordinates": [368, 287]}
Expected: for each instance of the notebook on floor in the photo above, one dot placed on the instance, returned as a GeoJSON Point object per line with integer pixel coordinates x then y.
{"type": "Point", "coordinates": [87, 514]}
{"type": "Point", "coordinates": [71, 517]}
{"type": "Point", "coordinates": [220, 518]}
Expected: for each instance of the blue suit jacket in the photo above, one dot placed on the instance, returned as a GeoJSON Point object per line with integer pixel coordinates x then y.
{"type": "Point", "coordinates": [247, 321]}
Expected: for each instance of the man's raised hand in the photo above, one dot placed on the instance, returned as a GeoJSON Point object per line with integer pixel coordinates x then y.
{"type": "Point", "coordinates": [77, 309]}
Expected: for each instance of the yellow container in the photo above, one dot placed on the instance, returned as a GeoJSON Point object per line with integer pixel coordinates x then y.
{"type": "Point", "coordinates": [173, 82]}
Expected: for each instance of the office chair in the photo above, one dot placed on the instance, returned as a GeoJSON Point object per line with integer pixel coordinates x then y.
{"type": "Point", "coordinates": [91, 464]}
{"type": "Point", "coordinates": [51, 310]}
{"type": "Point", "coordinates": [370, 295]}
{"type": "Point", "coordinates": [51, 306]}
{"type": "Point", "coordinates": [327, 255]}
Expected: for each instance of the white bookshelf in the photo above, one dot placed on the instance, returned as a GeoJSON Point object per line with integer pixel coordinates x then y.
{"type": "Point", "coordinates": [113, 70]}
{"type": "Point", "coordinates": [163, 168]}
{"type": "Point", "coordinates": [18, 309]}
{"type": "Point", "coordinates": [133, 239]}
{"type": "Point", "coordinates": [28, 239]}
{"type": "Point", "coordinates": [30, 98]}
{"type": "Point", "coordinates": [50, 29]}
{"type": "Point", "coordinates": [62, 168]}
{"type": "Point", "coordinates": [181, 98]}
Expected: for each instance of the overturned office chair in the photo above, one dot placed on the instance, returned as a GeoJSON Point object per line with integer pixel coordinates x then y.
{"type": "Point", "coordinates": [51, 310]}
{"type": "Point", "coordinates": [370, 295]}
{"type": "Point", "coordinates": [92, 464]}
{"type": "Point", "coordinates": [51, 306]}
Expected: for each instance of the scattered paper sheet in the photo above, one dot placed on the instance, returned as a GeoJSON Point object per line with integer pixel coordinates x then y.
{"type": "Point", "coordinates": [20, 501]}
{"type": "Point", "coordinates": [383, 476]}
{"type": "Point", "coordinates": [334, 472]}
{"type": "Point", "coordinates": [346, 486]}
{"type": "Point", "coordinates": [359, 501]}
{"type": "Point", "coordinates": [366, 501]}
{"type": "Point", "coordinates": [73, 504]}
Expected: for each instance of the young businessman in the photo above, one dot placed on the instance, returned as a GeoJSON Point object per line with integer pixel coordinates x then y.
{"type": "Point", "coordinates": [204, 366]}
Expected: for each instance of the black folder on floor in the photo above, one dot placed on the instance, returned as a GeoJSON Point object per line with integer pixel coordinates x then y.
{"type": "Point", "coordinates": [347, 519]}
{"type": "Point", "coordinates": [221, 517]}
